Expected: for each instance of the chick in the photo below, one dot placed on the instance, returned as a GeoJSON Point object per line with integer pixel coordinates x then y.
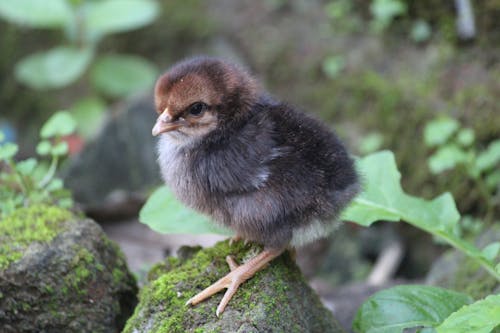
{"type": "Point", "coordinates": [272, 174]}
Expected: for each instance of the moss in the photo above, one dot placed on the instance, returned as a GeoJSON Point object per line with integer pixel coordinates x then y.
{"type": "Point", "coordinates": [38, 223]}
{"type": "Point", "coordinates": [265, 299]}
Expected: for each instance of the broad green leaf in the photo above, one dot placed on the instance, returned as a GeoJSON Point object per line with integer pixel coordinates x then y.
{"type": "Point", "coordinates": [392, 310]}
{"type": "Point", "coordinates": [163, 213]}
{"type": "Point", "coordinates": [110, 16]}
{"type": "Point", "coordinates": [480, 317]}
{"type": "Point", "coordinates": [439, 131]}
{"type": "Point", "coordinates": [384, 199]}
{"type": "Point", "coordinates": [36, 13]}
{"type": "Point", "coordinates": [490, 157]}
{"type": "Point", "coordinates": [490, 252]}
{"type": "Point", "coordinates": [54, 185]}
{"type": "Point", "coordinates": [43, 148]}
{"type": "Point", "coordinates": [466, 137]}
{"type": "Point", "coordinates": [55, 68]}
{"type": "Point", "coordinates": [27, 166]}
{"type": "Point", "coordinates": [119, 75]}
{"type": "Point", "coordinates": [60, 149]}
{"type": "Point", "coordinates": [59, 124]}
{"type": "Point", "coordinates": [8, 150]}
{"type": "Point", "coordinates": [89, 115]}
{"type": "Point", "coordinates": [446, 158]}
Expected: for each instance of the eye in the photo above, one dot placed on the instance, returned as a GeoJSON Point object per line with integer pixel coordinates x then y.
{"type": "Point", "coordinates": [197, 108]}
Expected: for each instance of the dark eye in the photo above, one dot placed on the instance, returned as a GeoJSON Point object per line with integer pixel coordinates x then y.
{"type": "Point", "coordinates": [197, 108]}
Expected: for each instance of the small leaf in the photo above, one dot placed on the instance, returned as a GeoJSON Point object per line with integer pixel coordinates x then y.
{"type": "Point", "coordinates": [89, 115]}
{"type": "Point", "coordinates": [163, 213]}
{"type": "Point", "coordinates": [446, 158]}
{"type": "Point", "coordinates": [59, 124]}
{"type": "Point", "coordinates": [333, 65]}
{"type": "Point", "coordinates": [371, 143]}
{"type": "Point", "coordinates": [110, 16]}
{"type": "Point", "coordinates": [55, 68]}
{"type": "Point", "coordinates": [60, 149]}
{"type": "Point", "coordinates": [490, 252]}
{"type": "Point", "coordinates": [392, 310]}
{"type": "Point", "coordinates": [420, 31]}
{"type": "Point", "coordinates": [43, 148]}
{"type": "Point", "coordinates": [27, 166]}
{"type": "Point", "coordinates": [490, 157]}
{"type": "Point", "coordinates": [36, 13]}
{"type": "Point", "coordinates": [119, 75]}
{"type": "Point", "coordinates": [480, 317]}
{"type": "Point", "coordinates": [493, 179]}
{"type": "Point", "coordinates": [466, 137]}
{"type": "Point", "coordinates": [8, 150]}
{"type": "Point", "coordinates": [54, 185]}
{"type": "Point", "coordinates": [439, 131]}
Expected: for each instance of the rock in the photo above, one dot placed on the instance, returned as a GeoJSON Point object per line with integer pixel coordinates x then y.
{"type": "Point", "coordinates": [454, 270]}
{"type": "Point", "coordinates": [60, 273]}
{"type": "Point", "coordinates": [276, 299]}
{"type": "Point", "coordinates": [119, 163]}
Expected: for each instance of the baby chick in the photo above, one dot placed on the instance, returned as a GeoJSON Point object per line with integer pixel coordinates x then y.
{"type": "Point", "coordinates": [272, 174]}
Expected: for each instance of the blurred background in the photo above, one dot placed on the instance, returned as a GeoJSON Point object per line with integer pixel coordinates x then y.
{"type": "Point", "coordinates": [421, 78]}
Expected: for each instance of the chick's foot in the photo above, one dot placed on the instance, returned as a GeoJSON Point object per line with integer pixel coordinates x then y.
{"type": "Point", "coordinates": [235, 278]}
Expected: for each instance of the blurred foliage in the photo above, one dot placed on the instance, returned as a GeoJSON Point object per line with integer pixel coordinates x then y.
{"type": "Point", "coordinates": [82, 25]}
{"type": "Point", "coordinates": [31, 181]}
{"type": "Point", "coordinates": [454, 147]}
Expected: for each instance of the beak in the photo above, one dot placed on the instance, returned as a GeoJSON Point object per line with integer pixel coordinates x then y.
{"type": "Point", "coordinates": [165, 123]}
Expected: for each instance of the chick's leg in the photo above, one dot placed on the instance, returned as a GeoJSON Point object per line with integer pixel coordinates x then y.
{"type": "Point", "coordinates": [235, 278]}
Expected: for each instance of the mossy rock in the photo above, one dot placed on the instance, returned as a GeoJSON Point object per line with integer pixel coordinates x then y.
{"type": "Point", "coordinates": [60, 273]}
{"type": "Point", "coordinates": [276, 299]}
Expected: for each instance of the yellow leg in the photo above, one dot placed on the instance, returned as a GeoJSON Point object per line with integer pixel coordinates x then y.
{"type": "Point", "coordinates": [235, 278]}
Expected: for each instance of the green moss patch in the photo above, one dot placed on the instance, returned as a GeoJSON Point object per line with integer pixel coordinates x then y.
{"type": "Point", "coordinates": [38, 223]}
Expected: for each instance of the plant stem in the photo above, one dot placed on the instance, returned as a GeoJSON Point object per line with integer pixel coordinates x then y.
{"type": "Point", "coordinates": [50, 173]}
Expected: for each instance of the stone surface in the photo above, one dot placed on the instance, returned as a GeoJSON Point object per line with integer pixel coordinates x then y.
{"type": "Point", "coordinates": [121, 161]}
{"type": "Point", "coordinates": [276, 299]}
{"type": "Point", "coordinates": [60, 273]}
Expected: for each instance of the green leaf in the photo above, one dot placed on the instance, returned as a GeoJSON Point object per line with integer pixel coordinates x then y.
{"type": "Point", "coordinates": [119, 75]}
{"type": "Point", "coordinates": [490, 157]}
{"type": "Point", "coordinates": [60, 149]}
{"type": "Point", "coordinates": [493, 179]}
{"type": "Point", "coordinates": [54, 185]}
{"type": "Point", "coordinates": [27, 166]}
{"type": "Point", "coordinates": [55, 68]}
{"type": "Point", "coordinates": [439, 131]}
{"type": "Point", "coordinates": [36, 13]}
{"type": "Point", "coordinates": [384, 199]}
{"type": "Point", "coordinates": [446, 158]}
{"type": "Point", "coordinates": [89, 115]}
{"type": "Point", "coordinates": [59, 124]}
{"type": "Point", "coordinates": [8, 150]}
{"type": "Point", "coordinates": [480, 317]}
{"type": "Point", "coordinates": [490, 252]}
{"type": "Point", "coordinates": [163, 213]}
{"type": "Point", "coordinates": [110, 16]}
{"type": "Point", "coordinates": [420, 31]}
{"type": "Point", "coordinates": [466, 137]}
{"type": "Point", "coordinates": [384, 11]}
{"type": "Point", "coordinates": [333, 65]}
{"type": "Point", "coordinates": [392, 310]}
{"type": "Point", "coordinates": [43, 148]}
